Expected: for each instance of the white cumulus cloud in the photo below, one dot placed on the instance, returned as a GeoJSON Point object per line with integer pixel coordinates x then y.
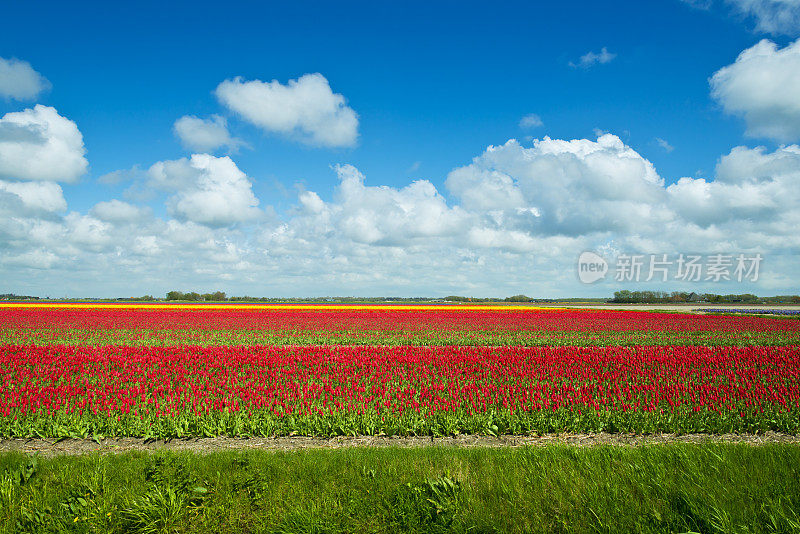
{"type": "Point", "coordinates": [19, 81]}
{"type": "Point", "coordinates": [36, 197]}
{"type": "Point", "coordinates": [207, 190]}
{"type": "Point", "coordinates": [386, 215]}
{"type": "Point", "coordinates": [376, 215]}
{"type": "Point", "coordinates": [205, 135]}
{"type": "Point", "coordinates": [40, 144]}
{"type": "Point", "coordinates": [305, 109]}
{"type": "Point", "coordinates": [88, 232]}
{"type": "Point", "coordinates": [762, 86]}
{"type": "Point", "coordinates": [561, 187]}
{"type": "Point", "coordinates": [752, 186]}
{"type": "Point", "coordinates": [117, 211]}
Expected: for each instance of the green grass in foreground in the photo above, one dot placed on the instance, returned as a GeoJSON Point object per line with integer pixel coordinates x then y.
{"type": "Point", "coordinates": [666, 488]}
{"type": "Point", "coordinates": [524, 338]}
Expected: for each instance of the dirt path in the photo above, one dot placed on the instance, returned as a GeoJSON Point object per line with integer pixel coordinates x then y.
{"type": "Point", "coordinates": [206, 445]}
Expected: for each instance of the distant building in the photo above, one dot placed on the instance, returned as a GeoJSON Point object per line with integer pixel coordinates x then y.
{"type": "Point", "coordinates": [693, 297]}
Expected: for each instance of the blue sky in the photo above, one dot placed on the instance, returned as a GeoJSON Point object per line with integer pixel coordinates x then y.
{"type": "Point", "coordinates": [433, 84]}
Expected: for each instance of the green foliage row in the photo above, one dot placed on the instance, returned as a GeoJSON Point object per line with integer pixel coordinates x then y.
{"type": "Point", "coordinates": [173, 337]}
{"type": "Point", "coordinates": [714, 488]}
{"type": "Point", "coordinates": [265, 423]}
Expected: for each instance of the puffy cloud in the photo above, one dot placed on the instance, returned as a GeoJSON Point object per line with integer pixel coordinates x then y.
{"type": "Point", "coordinates": [706, 203]}
{"type": "Point", "coordinates": [756, 164]}
{"type": "Point", "coordinates": [40, 144]}
{"type": "Point", "coordinates": [519, 198]}
{"type": "Point", "coordinates": [146, 245]}
{"type": "Point", "coordinates": [531, 120]}
{"type": "Point", "coordinates": [311, 202]}
{"type": "Point", "coordinates": [379, 215]}
{"type": "Point", "coordinates": [771, 16]}
{"type": "Point", "coordinates": [592, 58]}
{"type": "Point", "coordinates": [751, 185]}
{"type": "Point", "coordinates": [188, 233]}
{"type": "Point", "coordinates": [385, 215]}
{"type": "Point", "coordinates": [482, 189]}
{"type": "Point", "coordinates": [87, 232]}
{"type": "Point", "coordinates": [554, 198]}
{"type": "Point", "coordinates": [31, 197]}
{"type": "Point", "coordinates": [562, 187]}
{"type": "Point", "coordinates": [762, 86]}
{"type": "Point", "coordinates": [305, 109]}
{"type": "Point", "coordinates": [205, 135]}
{"type": "Point", "coordinates": [19, 81]}
{"type": "Point", "coordinates": [116, 211]}
{"type": "Point", "coordinates": [208, 190]}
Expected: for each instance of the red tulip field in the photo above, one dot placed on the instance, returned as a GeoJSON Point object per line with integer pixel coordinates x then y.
{"type": "Point", "coordinates": [172, 371]}
{"type": "Point", "coordinates": [170, 325]}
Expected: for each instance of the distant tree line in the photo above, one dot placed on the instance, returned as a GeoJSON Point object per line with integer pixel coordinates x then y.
{"type": "Point", "coordinates": [217, 296]}
{"type": "Point", "coordinates": [655, 297]}
{"type": "Point", "coordinates": [331, 299]}
{"type": "Point", "coordinates": [782, 299]}
{"type": "Point", "coordinates": [220, 296]}
{"type": "Point", "coordinates": [620, 297]}
{"type": "Point", "coordinates": [515, 298]}
{"type": "Point", "coordinates": [629, 297]}
{"type": "Point", "coordinates": [745, 297]}
{"type": "Point", "coordinates": [12, 296]}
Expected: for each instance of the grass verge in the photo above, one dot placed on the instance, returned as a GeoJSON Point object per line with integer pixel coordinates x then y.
{"type": "Point", "coordinates": [670, 488]}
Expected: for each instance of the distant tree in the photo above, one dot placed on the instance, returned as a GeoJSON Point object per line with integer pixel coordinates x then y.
{"type": "Point", "coordinates": [176, 295]}
{"type": "Point", "coordinates": [519, 298]}
{"type": "Point", "coordinates": [623, 296]}
{"type": "Point", "coordinates": [630, 297]}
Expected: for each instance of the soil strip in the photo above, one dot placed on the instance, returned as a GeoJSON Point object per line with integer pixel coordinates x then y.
{"type": "Point", "coordinates": [292, 443]}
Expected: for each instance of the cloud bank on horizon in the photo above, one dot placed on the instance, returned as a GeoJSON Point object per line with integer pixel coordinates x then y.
{"type": "Point", "coordinates": [518, 211]}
